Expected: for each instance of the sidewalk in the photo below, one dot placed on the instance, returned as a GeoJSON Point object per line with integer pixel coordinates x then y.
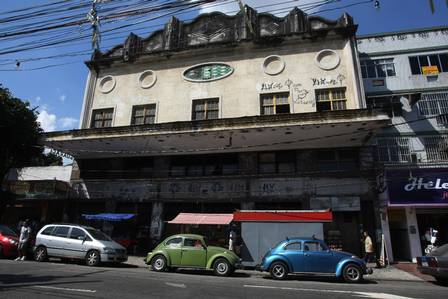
{"type": "Point", "coordinates": [393, 272]}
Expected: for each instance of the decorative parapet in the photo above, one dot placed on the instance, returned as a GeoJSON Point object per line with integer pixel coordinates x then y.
{"type": "Point", "coordinates": [218, 28]}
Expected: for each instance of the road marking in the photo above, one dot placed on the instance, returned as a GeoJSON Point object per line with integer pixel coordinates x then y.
{"type": "Point", "coordinates": [355, 293]}
{"type": "Point", "coordinates": [66, 289]}
{"type": "Point", "coordinates": [176, 285]}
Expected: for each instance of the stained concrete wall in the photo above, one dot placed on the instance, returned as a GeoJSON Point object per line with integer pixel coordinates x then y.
{"type": "Point", "coordinates": [239, 93]}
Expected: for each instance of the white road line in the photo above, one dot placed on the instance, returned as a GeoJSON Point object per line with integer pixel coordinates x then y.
{"type": "Point", "coordinates": [354, 293]}
{"type": "Point", "coordinates": [176, 285]}
{"type": "Point", "coordinates": [66, 289]}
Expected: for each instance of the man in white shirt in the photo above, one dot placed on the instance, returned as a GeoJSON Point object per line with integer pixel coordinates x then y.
{"type": "Point", "coordinates": [24, 239]}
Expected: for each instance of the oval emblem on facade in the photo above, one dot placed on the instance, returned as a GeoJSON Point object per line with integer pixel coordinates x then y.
{"type": "Point", "coordinates": [207, 72]}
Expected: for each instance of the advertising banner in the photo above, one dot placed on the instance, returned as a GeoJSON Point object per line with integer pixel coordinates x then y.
{"type": "Point", "coordinates": [409, 187]}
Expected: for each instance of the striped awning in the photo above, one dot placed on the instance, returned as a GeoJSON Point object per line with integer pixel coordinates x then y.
{"type": "Point", "coordinates": [196, 218]}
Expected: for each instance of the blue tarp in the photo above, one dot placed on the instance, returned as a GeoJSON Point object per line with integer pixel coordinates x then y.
{"type": "Point", "coordinates": [108, 216]}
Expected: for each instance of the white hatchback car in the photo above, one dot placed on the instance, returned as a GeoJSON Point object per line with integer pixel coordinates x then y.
{"type": "Point", "coordinates": [74, 241]}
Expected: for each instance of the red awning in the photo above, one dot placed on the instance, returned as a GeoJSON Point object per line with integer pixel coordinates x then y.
{"type": "Point", "coordinates": [283, 216]}
{"type": "Point", "coordinates": [195, 218]}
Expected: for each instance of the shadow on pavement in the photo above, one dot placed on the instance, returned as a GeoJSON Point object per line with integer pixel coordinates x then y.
{"type": "Point", "coordinates": [208, 273]}
{"type": "Point", "coordinates": [292, 277]}
{"type": "Point", "coordinates": [26, 280]}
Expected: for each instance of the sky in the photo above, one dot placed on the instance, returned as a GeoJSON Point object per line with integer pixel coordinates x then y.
{"type": "Point", "coordinates": [57, 92]}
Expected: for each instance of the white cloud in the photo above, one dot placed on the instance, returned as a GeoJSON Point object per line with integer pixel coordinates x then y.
{"type": "Point", "coordinates": [272, 6]}
{"type": "Point", "coordinates": [62, 97]}
{"type": "Point", "coordinates": [47, 121]}
{"type": "Point", "coordinates": [37, 99]}
{"type": "Point", "coordinates": [67, 122]}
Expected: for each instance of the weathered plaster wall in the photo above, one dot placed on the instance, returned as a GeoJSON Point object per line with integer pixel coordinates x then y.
{"type": "Point", "coordinates": [239, 93]}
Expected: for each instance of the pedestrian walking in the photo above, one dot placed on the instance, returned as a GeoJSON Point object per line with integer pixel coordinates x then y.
{"type": "Point", "coordinates": [232, 238]}
{"type": "Point", "coordinates": [368, 247]}
{"type": "Point", "coordinates": [25, 233]}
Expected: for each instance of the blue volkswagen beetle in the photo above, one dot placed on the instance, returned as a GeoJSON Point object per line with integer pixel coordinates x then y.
{"type": "Point", "coordinates": [311, 256]}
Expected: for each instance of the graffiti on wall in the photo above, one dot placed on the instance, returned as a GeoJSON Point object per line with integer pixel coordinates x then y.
{"type": "Point", "coordinates": [328, 81]}
{"type": "Point", "coordinates": [298, 93]}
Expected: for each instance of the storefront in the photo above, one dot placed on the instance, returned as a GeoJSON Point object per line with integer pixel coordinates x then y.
{"type": "Point", "coordinates": [415, 200]}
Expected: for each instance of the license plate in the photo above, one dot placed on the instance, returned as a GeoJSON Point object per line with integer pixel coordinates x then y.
{"type": "Point", "coordinates": [425, 264]}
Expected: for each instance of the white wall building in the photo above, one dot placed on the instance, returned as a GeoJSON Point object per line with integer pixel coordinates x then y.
{"type": "Point", "coordinates": [406, 75]}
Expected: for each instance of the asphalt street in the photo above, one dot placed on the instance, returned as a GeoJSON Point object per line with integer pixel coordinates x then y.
{"type": "Point", "coordinates": [30, 279]}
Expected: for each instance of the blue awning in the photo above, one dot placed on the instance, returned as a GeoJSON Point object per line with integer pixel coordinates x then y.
{"type": "Point", "coordinates": [108, 216]}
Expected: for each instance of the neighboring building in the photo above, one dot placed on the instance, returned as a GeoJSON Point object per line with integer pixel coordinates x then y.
{"type": "Point", "coordinates": [40, 194]}
{"type": "Point", "coordinates": [222, 113]}
{"type": "Point", "coordinates": [406, 75]}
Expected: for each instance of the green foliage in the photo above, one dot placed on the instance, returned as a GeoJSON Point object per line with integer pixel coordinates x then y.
{"type": "Point", "coordinates": [19, 133]}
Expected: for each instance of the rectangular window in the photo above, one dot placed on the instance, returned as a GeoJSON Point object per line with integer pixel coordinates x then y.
{"type": "Point", "coordinates": [393, 150]}
{"type": "Point", "coordinates": [388, 104]}
{"type": "Point", "coordinates": [102, 118]}
{"type": "Point", "coordinates": [204, 165]}
{"type": "Point", "coordinates": [277, 162]}
{"type": "Point", "coordinates": [432, 104]}
{"type": "Point", "coordinates": [274, 103]}
{"type": "Point", "coordinates": [334, 160]}
{"type": "Point", "coordinates": [143, 115]}
{"type": "Point", "coordinates": [438, 60]}
{"type": "Point", "coordinates": [205, 109]}
{"type": "Point", "coordinates": [436, 148]}
{"type": "Point", "coordinates": [378, 68]}
{"type": "Point", "coordinates": [331, 99]}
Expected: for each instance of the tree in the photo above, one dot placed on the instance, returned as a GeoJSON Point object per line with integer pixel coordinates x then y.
{"type": "Point", "coordinates": [19, 135]}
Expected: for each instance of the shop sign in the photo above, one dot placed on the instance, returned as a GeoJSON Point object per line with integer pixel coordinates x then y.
{"type": "Point", "coordinates": [418, 186]}
{"type": "Point", "coordinates": [430, 70]}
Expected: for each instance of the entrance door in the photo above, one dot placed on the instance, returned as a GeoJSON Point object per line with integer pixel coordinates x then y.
{"type": "Point", "coordinates": [194, 254]}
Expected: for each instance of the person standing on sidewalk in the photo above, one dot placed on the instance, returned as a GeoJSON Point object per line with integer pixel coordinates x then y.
{"type": "Point", "coordinates": [368, 247]}
{"type": "Point", "coordinates": [24, 238]}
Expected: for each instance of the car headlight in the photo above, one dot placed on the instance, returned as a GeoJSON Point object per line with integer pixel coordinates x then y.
{"type": "Point", "coordinates": [108, 250]}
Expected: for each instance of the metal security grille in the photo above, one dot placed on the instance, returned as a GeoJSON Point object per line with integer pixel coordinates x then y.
{"type": "Point", "coordinates": [432, 104]}
{"type": "Point", "coordinates": [436, 148]}
{"type": "Point", "coordinates": [395, 149]}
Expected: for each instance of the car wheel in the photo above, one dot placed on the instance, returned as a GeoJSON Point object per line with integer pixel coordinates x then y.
{"type": "Point", "coordinates": [93, 258]}
{"type": "Point", "coordinates": [352, 273]}
{"type": "Point", "coordinates": [40, 255]}
{"type": "Point", "coordinates": [222, 267]}
{"type": "Point", "coordinates": [278, 271]}
{"type": "Point", "coordinates": [158, 263]}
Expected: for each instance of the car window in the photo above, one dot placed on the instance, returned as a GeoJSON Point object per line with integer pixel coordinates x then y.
{"type": "Point", "coordinates": [313, 246]}
{"type": "Point", "coordinates": [98, 235]}
{"type": "Point", "coordinates": [76, 233]}
{"type": "Point", "coordinates": [61, 231]}
{"type": "Point", "coordinates": [296, 246]}
{"type": "Point", "coordinates": [47, 231]}
{"type": "Point", "coordinates": [6, 231]}
{"type": "Point", "coordinates": [174, 242]}
{"type": "Point", "coordinates": [192, 242]}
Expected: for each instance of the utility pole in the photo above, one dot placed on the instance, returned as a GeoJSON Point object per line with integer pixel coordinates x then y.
{"type": "Point", "coordinates": [94, 19]}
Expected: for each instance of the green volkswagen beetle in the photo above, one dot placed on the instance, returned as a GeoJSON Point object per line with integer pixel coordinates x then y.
{"type": "Point", "coordinates": [191, 251]}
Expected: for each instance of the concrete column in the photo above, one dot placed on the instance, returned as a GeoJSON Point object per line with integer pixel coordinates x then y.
{"type": "Point", "coordinates": [413, 233]}
{"type": "Point", "coordinates": [386, 232]}
{"type": "Point", "coordinates": [156, 221]}
{"type": "Point", "coordinates": [110, 207]}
